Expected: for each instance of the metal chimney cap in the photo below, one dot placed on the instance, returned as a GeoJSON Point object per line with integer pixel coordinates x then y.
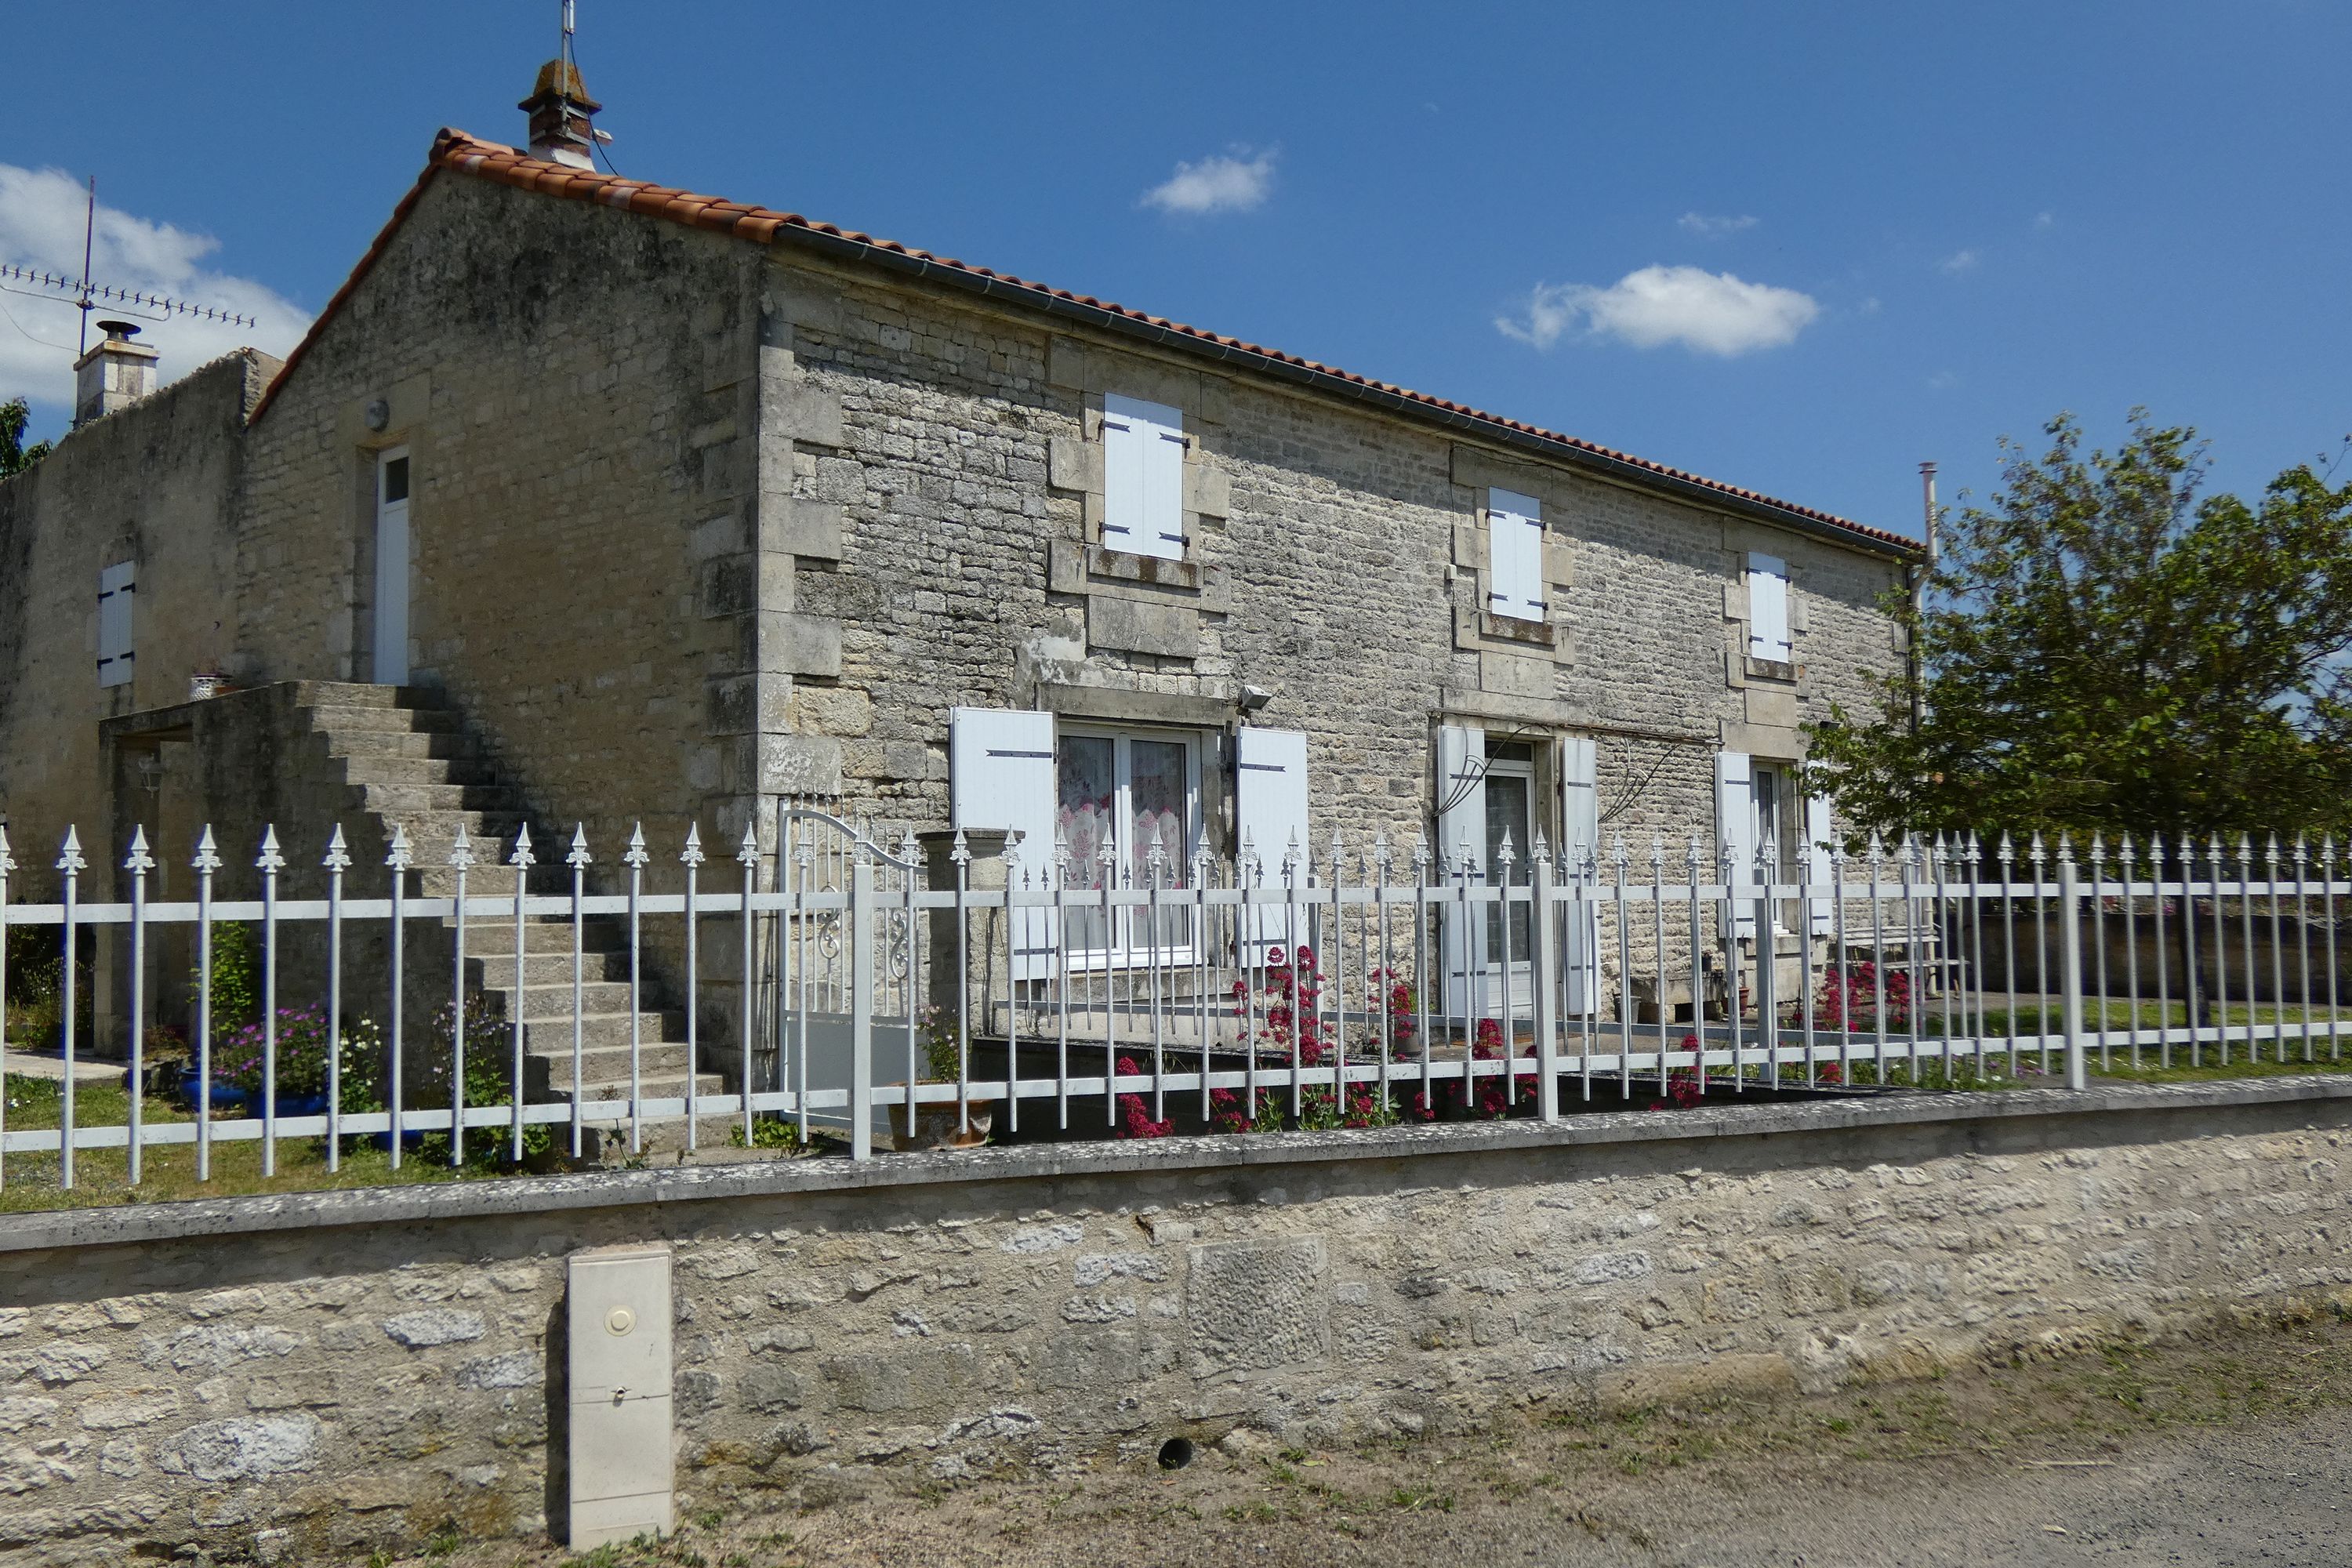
{"type": "Point", "coordinates": [120, 331]}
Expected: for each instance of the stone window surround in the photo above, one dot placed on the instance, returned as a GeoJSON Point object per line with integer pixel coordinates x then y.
{"type": "Point", "coordinates": [1740, 667]}
{"type": "Point", "coordinates": [1769, 692]}
{"type": "Point", "coordinates": [1516, 658]}
{"type": "Point", "coordinates": [1134, 603]}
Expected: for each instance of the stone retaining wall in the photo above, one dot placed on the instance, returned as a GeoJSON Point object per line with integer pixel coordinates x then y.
{"type": "Point", "coordinates": [294, 1377]}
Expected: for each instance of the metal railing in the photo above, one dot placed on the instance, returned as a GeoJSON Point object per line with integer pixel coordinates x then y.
{"type": "Point", "coordinates": [908, 991]}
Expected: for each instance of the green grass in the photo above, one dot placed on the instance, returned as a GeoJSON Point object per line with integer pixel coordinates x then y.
{"type": "Point", "coordinates": [101, 1175]}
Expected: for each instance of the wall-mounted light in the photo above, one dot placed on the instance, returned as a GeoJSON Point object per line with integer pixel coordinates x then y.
{"type": "Point", "coordinates": [1255, 699]}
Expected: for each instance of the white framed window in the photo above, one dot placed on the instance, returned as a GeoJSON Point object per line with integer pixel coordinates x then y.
{"type": "Point", "coordinates": [1143, 477]}
{"type": "Point", "coordinates": [117, 588]}
{"type": "Point", "coordinates": [1768, 608]}
{"type": "Point", "coordinates": [1117, 792]}
{"type": "Point", "coordinates": [1515, 569]}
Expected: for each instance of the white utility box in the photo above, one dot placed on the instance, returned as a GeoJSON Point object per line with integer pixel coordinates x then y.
{"type": "Point", "coordinates": [619, 1307]}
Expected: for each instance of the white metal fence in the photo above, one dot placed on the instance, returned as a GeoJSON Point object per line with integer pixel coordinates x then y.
{"type": "Point", "coordinates": [927, 994]}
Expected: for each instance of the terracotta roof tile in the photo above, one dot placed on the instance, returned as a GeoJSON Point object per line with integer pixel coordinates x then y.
{"type": "Point", "coordinates": [488, 160]}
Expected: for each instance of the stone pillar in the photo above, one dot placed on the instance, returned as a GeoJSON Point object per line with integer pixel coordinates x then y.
{"type": "Point", "coordinates": [984, 929]}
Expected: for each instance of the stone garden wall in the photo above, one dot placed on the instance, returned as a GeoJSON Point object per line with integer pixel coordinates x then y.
{"type": "Point", "coordinates": [292, 1377]}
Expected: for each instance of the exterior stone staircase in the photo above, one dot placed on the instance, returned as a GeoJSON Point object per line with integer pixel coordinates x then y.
{"type": "Point", "coordinates": [411, 761]}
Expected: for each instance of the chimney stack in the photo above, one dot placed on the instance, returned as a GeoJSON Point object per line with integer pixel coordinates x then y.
{"type": "Point", "coordinates": [115, 374]}
{"type": "Point", "coordinates": [559, 107]}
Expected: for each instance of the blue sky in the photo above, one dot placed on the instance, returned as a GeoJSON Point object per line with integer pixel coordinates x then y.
{"type": "Point", "coordinates": [1796, 248]}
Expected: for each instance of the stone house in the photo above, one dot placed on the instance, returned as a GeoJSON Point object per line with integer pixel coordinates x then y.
{"type": "Point", "coordinates": [587, 499]}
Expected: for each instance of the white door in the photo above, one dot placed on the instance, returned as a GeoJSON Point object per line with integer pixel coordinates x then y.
{"type": "Point", "coordinates": [392, 567]}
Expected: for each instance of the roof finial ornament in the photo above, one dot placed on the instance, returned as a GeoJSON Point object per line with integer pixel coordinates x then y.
{"type": "Point", "coordinates": [559, 107]}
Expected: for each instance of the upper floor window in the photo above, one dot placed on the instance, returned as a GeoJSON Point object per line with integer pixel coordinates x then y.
{"type": "Point", "coordinates": [1143, 477]}
{"type": "Point", "coordinates": [1515, 568]}
{"type": "Point", "coordinates": [116, 589]}
{"type": "Point", "coordinates": [1768, 608]}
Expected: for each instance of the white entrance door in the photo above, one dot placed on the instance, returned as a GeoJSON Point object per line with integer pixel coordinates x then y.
{"type": "Point", "coordinates": [392, 567]}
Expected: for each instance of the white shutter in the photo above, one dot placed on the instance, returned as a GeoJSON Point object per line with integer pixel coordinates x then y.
{"type": "Point", "coordinates": [1735, 831]}
{"type": "Point", "coordinates": [1580, 835]}
{"type": "Point", "coordinates": [1768, 608]}
{"type": "Point", "coordinates": [1270, 812]}
{"type": "Point", "coordinates": [1461, 849]}
{"type": "Point", "coordinates": [1001, 774]}
{"type": "Point", "coordinates": [1143, 477]}
{"type": "Point", "coordinates": [116, 589]}
{"type": "Point", "coordinates": [1819, 869]}
{"type": "Point", "coordinates": [1270, 798]}
{"type": "Point", "coordinates": [1515, 584]}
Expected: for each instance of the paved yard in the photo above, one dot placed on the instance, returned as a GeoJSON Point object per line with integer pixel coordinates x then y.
{"type": "Point", "coordinates": [2232, 1448]}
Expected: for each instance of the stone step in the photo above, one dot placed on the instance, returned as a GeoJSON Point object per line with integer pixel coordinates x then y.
{"type": "Point", "coordinates": [337, 719]}
{"type": "Point", "coordinates": [496, 972]}
{"type": "Point", "coordinates": [387, 769]}
{"type": "Point", "coordinates": [602, 1031]}
{"type": "Point", "coordinates": [495, 939]}
{"type": "Point", "coordinates": [357, 743]}
{"type": "Point", "coordinates": [555, 1001]}
{"type": "Point", "coordinates": [548, 1058]}
{"type": "Point", "coordinates": [648, 1086]}
{"type": "Point", "coordinates": [354, 694]}
{"type": "Point", "coordinates": [412, 800]}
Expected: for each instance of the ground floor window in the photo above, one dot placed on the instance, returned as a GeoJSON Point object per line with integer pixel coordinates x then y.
{"type": "Point", "coordinates": [1118, 794]}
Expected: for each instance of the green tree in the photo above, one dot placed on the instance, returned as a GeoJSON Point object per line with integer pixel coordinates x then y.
{"type": "Point", "coordinates": [15, 455]}
{"type": "Point", "coordinates": [2100, 648]}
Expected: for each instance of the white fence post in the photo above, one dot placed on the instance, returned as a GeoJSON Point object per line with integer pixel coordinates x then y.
{"type": "Point", "coordinates": [860, 943]}
{"type": "Point", "coordinates": [1546, 958]}
{"type": "Point", "coordinates": [2070, 968]}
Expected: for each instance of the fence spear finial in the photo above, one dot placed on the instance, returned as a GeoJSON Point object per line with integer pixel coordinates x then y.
{"type": "Point", "coordinates": [338, 857]}
{"type": "Point", "coordinates": [747, 852]}
{"type": "Point", "coordinates": [461, 850]}
{"type": "Point", "coordinates": [69, 857]}
{"type": "Point", "coordinates": [522, 860]}
{"type": "Point", "coordinates": [398, 852]}
{"type": "Point", "coordinates": [636, 853]}
{"type": "Point", "coordinates": [7, 860]}
{"type": "Point", "coordinates": [269, 859]}
{"type": "Point", "coordinates": [578, 855]}
{"type": "Point", "coordinates": [207, 858]}
{"type": "Point", "coordinates": [139, 859]}
{"type": "Point", "coordinates": [958, 852]}
{"type": "Point", "coordinates": [692, 854]}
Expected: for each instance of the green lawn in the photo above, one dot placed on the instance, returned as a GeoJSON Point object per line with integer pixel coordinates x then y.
{"type": "Point", "coordinates": [101, 1175]}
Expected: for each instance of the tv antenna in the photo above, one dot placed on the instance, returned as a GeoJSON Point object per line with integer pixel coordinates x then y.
{"type": "Point", "coordinates": [88, 295]}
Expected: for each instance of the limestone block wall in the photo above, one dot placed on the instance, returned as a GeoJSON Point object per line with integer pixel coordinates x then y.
{"type": "Point", "coordinates": [361, 1369]}
{"type": "Point", "coordinates": [153, 484]}
{"type": "Point", "coordinates": [569, 384]}
{"type": "Point", "coordinates": [1337, 560]}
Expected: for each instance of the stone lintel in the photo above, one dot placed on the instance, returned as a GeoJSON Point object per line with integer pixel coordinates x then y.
{"type": "Point", "coordinates": [1125, 705]}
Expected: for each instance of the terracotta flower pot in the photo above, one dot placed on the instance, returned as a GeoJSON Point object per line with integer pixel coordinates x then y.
{"type": "Point", "coordinates": [941, 1125]}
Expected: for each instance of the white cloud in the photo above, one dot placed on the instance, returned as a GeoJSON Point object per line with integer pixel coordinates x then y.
{"type": "Point", "coordinates": [2045, 220]}
{"type": "Point", "coordinates": [1220, 185]}
{"type": "Point", "coordinates": [1710, 227]}
{"type": "Point", "coordinates": [1868, 307]}
{"type": "Point", "coordinates": [1707, 313]}
{"type": "Point", "coordinates": [1961, 261]}
{"type": "Point", "coordinates": [41, 227]}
